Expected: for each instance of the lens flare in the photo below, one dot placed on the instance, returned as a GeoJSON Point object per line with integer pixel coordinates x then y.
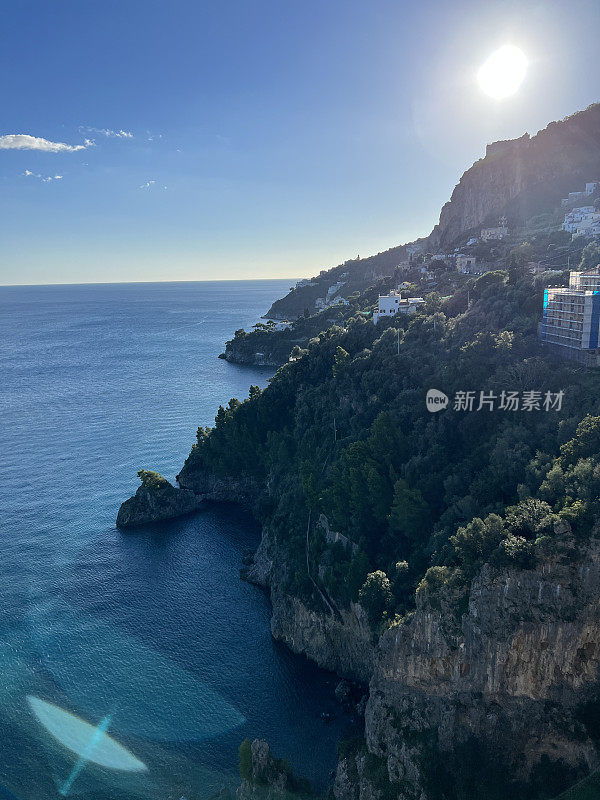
{"type": "Point", "coordinates": [85, 740]}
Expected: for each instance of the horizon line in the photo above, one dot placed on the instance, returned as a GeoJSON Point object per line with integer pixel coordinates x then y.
{"type": "Point", "coordinates": [135, 283]}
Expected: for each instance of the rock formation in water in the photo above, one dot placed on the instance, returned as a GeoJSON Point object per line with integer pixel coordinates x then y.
{"type": "Point", "coordinates": [265, 777]}
{"type": "Point", "coordinates": [156, 500]}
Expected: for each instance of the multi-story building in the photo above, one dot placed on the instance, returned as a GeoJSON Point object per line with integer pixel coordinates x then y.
{"type": "Point", "coordinates": [390, 304]}
{"type": "Point", "coordinates": [570, 324]}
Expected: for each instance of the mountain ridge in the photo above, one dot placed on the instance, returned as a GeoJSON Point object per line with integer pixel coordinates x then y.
{"type": "Point", "coordinates": [518, 178]}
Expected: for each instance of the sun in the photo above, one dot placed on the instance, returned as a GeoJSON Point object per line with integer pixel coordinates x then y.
{"type": "Point", "coordinates": [503, 72]}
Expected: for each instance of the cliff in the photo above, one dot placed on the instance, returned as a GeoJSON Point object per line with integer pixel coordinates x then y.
{"type": "Point", "coordinates": [520, 178]}
{"type": "Point", "coordinates": [267, 346]}
{"type": "Point", "coordinates": [504, 695]}
{"type": "Point", "coordinates": [488, 675]}
{"type": "Point", "coordinates": [523, 177]}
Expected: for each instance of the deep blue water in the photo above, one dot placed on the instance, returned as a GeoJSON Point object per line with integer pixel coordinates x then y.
{"type": "Point", "coordinates": [152, 633]}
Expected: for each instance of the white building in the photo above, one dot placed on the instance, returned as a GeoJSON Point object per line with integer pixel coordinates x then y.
{"type": "Point", "coordinates": [590, 188]}
{"type": "Point", "coordinates": [304, 282]}
{"type": "Point", "coordinates": [589, 227]}
{"type": "Point", "coordinates": [333, 290]}
{"type": "Point", "coordinates": [489, 234]}
{"type": "Point", "coordinates": [582, 217]}
{"type": "Point", "coordinates": [575, 216]}
{"type": "Point", "coordinates": [393, 303]}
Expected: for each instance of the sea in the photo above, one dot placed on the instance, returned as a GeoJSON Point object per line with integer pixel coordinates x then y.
{"type": "Point", "coordinates": [133, 664]}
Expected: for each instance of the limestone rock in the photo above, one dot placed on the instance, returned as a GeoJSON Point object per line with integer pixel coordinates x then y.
{"type": "Point", "coordinates": [155, 505]}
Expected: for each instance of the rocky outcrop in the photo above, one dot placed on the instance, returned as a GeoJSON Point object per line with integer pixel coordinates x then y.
{"type": "Point", "coordinates": [156, 504]}
{"type": "Point", "coordinates": [342, 643]}
{"type": "Point", "coordinates": [265, 777]}
{"type": "Point", "coordinates": [500, 688]}
{"type": "Point", "coordinates": [523, 177]}
{"type": "Point", "coordinates": [246, 358]}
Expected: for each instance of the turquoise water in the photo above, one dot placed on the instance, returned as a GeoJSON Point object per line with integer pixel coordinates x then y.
{"type": "Point", "coordinates": [150, 637]}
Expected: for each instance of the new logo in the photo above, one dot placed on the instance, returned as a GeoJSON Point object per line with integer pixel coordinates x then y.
{"type": "Point", "coordinates": [436, 400]}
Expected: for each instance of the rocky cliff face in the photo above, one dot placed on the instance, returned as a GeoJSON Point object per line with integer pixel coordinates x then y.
{"type": "Point", "coordinates": [498, 690]}
{"type": "Point", "coordinates": [343, 644]}
{"type": "Point", "coordinates": [338, 640]}
{"type": "Point", "coordinates": [206, 486]}
{"type": "Point", "coordinates": [523, 177]}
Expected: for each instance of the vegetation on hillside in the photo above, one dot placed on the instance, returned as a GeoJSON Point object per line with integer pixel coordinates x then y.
{"type": "Point", "coordinates": [422, 498]}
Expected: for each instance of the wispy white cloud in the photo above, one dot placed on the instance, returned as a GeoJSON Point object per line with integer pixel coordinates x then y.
{"type": "Point", "coordinates": [154, 137]}
{"type": "Point", "coordinates": [23, 141]}
{"type": "Point", "coordinates": [152, 184]}
{"type": "Point", "coordinates": [108, 132]}
{"type": "Point", "coordinates": [44, 178]}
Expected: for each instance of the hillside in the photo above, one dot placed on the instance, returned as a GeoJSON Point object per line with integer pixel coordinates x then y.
{"type": "Point", "coordinates": [390, 536]}
{"type": "Point", "coordinates": [521, 178]}
{"type": "Point", "coordinates": [449, 561]}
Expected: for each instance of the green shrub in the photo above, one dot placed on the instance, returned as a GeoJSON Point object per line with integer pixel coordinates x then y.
{"type": "Point", "coordinates": [152, 480]}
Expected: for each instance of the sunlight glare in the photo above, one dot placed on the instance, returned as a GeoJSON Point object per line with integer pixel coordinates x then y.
{"type": "Point", "coordinates": [503, 72]}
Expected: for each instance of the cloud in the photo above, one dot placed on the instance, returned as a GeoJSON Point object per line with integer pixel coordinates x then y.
{"type": "Point", "coordinates": [110, 134]}
{"type": "Point", "coordinates": [44, 178]}
{"type": "Point", "coordinates": [23, 141]}
{"type": "Point", "coordinates": [150, 185]}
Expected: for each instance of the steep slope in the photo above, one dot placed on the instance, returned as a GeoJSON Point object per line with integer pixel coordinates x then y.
{"type": "Point", "coordinates": [520, 178]}
{"type": "Point", "coordinates": [523, 177]}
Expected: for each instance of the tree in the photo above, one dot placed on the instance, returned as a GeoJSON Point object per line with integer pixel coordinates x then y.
{"type": "Point", "coordinates": [375, 595]}
{"type": "Point", "coordinates": [152, 480]}
{"type": "Point", "coordinates": [586, 441]}
{"type": "Point", "coordinates": [402, 586]}
{"type": "Point", "coordinates": [474, 542]}
{"type": "Point", "coordinates": [517, 262]}
{"type": "Point", "coordinates": [409, 513]}
{"type": "Point", "coordinates": [491, 278]}
{"type": "Point", "coordinates": [590, 256]}
{"type": "Point", "coordinates": [340, 360]}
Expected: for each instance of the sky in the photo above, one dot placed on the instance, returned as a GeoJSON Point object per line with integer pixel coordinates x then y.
{"type": "Point", "coordinates": [191, 140]}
